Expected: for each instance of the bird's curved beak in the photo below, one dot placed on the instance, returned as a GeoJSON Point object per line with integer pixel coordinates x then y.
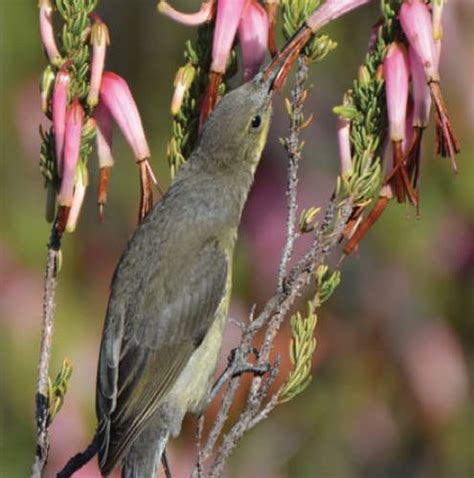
{"type": "Point", "coordinates": [276, 73]}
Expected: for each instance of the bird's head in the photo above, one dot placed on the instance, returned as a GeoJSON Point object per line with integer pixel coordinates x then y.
{"type": "Point", "coordinates": [235, 133]}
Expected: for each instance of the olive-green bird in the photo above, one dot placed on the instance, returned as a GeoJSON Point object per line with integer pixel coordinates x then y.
{"type": "Point", "coordinates": [170, 292]}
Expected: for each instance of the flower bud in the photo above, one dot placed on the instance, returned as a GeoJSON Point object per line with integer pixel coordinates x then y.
{"type": "Point", "coordinates": [253, 35]}
{"type": "Point", "coordinates": [100, 39]}
{"type": "Point", "coordinates": [47, 32]}
{"type": "Point", "coordinates": [47, 82]}
{"type": "Point", "coordinates": [72, 146]}
{"type": "Point", "coordinates": [183, 80]}
{"type": "Point", "coordinates": [437, 10]}
{"type": "Point", "coordinates": [396, 74]}
{"type": "Point", "coordinates": [227, 21]}
{"type": "Point", "coordinates": [343, 139]}
{"type": "Point", "coordinates": [82, 181]}
{"type": "Point", "coordinates": [190, 19]}
{"type": "Point", "coordinates": [415, 19]}
{"type": "Point", "coordinates": [116, 96]}
{"type": "Point", "coordinates": [58, 107]}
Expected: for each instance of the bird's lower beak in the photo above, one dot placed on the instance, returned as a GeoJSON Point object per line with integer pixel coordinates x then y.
{"type": "Point", "coordinates": [277, 71]}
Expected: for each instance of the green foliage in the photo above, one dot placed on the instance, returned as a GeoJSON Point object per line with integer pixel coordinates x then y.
{"type": "Point", "coordinates": [198, 58]}
{"type": "Point", "coordinates": [364, 105]}
{"type": "Point", "coordinates": [294, 14]}
{"type": "Point", "coordinates": [57, 390]}
{"type": "Point", "coordinates": [326, 283]}
{"type": "Point", "coordinates": [307, 219]}
{"type": "Point", "coordinates": [302, 347]}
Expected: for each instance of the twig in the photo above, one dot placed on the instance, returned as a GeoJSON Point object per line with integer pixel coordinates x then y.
{"type": "Point", "coordinates": [42, 400]}
{"type": "Point", "coordinates": [293, 146]}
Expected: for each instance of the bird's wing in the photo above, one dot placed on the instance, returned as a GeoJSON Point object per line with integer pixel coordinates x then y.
{"type": "Point", "coordinates": [145, 347]}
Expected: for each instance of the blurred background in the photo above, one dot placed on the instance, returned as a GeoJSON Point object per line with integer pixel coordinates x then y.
{"type": "Point", "coordinates": [392, 391]}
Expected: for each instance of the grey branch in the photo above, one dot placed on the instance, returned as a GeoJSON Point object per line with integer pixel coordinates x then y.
{"type": "Point", "coordinates": [42, 405]}
{"type": "Point", "coordinates": [211, 454]}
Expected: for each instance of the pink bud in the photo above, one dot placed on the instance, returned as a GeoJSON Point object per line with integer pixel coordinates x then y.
{"type": "Point", "coordinates": [82, 182]}
{"type": "Point", "coordinates": [100, 39]}
{"type": "Point", "coordinates": [182, 82]}
{"type": "Point", "coordinates": [437, 9]}
{"type": "Point", "coordinates": [47, 32]}
{"type": "Point", "coordinates": [253, 34]}
{"type": "Point", "coordinates": [103, 137]}
{"type": "Point", "coordinates": [191, 19]}
{"type": "Point", "coordinates": [227, 21]}
{"type": "Point", "coordinates": [58, 108]}
{"type": "Point", "coordinates": [396, 74]}
{"type": "Point", "coordinates": [330, 10]}
{"type": "Point", "coordinates": [415, 19]}
{"type": "Point", "coordinates": [116, 96]}
{"type": "Point", "coordinates": [343, 139]}
{"type": "Point", "coordinates": [72, 145]}
{"type": "Point", "coordinates": [421, 92]}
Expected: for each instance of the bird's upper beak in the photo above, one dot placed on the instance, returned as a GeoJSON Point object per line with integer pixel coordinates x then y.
{"type": "Point", "coordinates": [276, 73]}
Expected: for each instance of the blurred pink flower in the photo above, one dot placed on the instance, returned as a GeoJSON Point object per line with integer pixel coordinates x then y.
{"type": "Point", "coordinates": [47, 31]}
{"type": "Point", "coordinates": [117, 97]}
{"type": "Point", "coordinates": [72, 144]}
{"type": "Point", "coordinates": [59, 107]}
{"type": "Point", "coordinates": [436, 369]}
{"type": "Point", "coordinates": [373, 434]}
{"type": "Point", "coordinates": [253, 35]}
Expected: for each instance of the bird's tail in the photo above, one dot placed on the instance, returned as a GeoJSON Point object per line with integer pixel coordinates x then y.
{"type": "Point", "coordinates": [143, 458]}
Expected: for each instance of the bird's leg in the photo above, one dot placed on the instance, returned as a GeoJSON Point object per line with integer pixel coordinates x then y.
{"type": "Point", "coordinates": [165, 464]}
{"type": "Point", "coordinates": [236, 366]}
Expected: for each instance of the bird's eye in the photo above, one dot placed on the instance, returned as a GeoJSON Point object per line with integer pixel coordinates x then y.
{"type": "Point", "coordinates": [256, 123]}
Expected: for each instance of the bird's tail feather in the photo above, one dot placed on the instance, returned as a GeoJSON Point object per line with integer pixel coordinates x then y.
{"type": "Point", "coordinates": [144, 457]}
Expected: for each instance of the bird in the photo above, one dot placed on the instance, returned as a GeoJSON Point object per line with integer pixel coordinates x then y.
{"type": "Point", "coordinates": [169, 295]}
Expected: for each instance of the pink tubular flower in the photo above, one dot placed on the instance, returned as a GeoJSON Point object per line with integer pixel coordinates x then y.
{"type": "Point", "coordinates": [227, 21]}
{"type": "Point", "coordinates": [103, 137]}
{"type": "Point", "coordinates": [343, 139]}
{"type": "Point", "coordinates": [421, 92]}
{"type": "Point", "coordinates": [191, 19]}
{"type": "Point", "coordinates": [100, 39]}
{"type": "Point", "coordinates": [116, 96]}
{"type": "Point", "coordinates": [253, 34]}
{"type": "Point", "coordinates": [80, 187]}
{"type": "Point", "coordinates": [330, 10]}
{"type": "Point", "coordinates": [415, 19]}
{"type": "Point", "coordinates": [47, 32]}
{"type": "Point", "coordinates": [72, 145]}
{"type": "Point", "coordinates": [59, 106]}
{"type": "Point", "coordinates": [396, 74]}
